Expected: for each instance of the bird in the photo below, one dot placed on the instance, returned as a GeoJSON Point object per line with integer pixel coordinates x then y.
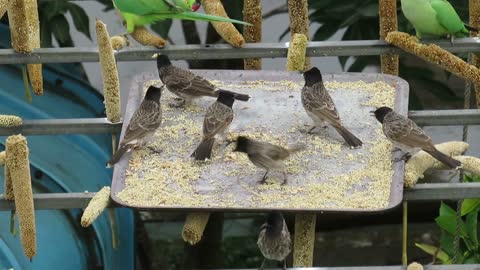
{"type": "Point", "coordinates": [217, 119]}
{"type": "Point", "coordinates": [266, 155]}
{"type": "Point", "coordinates": [320, 107]}
{"type": "Point", "coordinates": [185, 84]}
{"type": "Point", "coordinates": [139, 13]}
{"type": "Point", "coordinates": [408, 137]}
{"type": "Point", "coordinates": [143, 124]}
{"type": "Point", "coordinates": [434, 18]}
{"type": "Point", "coordinates": [274, 239]}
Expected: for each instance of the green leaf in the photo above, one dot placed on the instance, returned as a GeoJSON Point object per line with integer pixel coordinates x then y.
{"type": "Point", "coordinates": [325, 31]}
{"type": "Point", "coordinates": [61, 31]}
{"type": "Point", "coordinates": [446, 210]}
{"type": "Point", "coordinates": [471, 178]}
{"type": "Point", "coordinates": [80, 19]}
{"type": "Point", "coordinates": [449, 224]}
{"type": "Point", "coordinates": [45, 33]}
{"type": "Point", "coordinates": [470, 205]}
{"type": "Point", "coordinates": [162, 27]}
{"type": "Point", "coordinates": [447, 243]}
{"type": "Point", "coordinates": [54, 8]}
{"type": "Point", "coordinates": [434, 251]}
{"type": "Point", "coordinates": [471, 225]}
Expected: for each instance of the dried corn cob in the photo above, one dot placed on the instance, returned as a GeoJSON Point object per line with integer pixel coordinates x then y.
{"type": "Point", "coordinates": [422, 161]}
{"type": "Point", "coordinates": [474, 6]}
{"type": "Point", "coordinates": [10, 121]}
{"type": "Point", "coordinates": [298, 13]}
{"type": "Point", "coordinates": [304, 240]}
{"type": "Point", "coordinates": [16, 159]}
{"type": "Point", "coordinates": [415, 266]}
{"type": "Point", "coordinates": [3, 7]}
{"type": "Point", "coordinates": [469, 164]}
{"type": "Point", "coordinates": [96, 206]}
{"type": "Point", "coordinates": [25, 32]}
{"type": "Point", "coordinates": [225, 29]}
{"type": "Point", "coordinates": [119, 42]}
{"type": "Point", "coordinates": [434, 54]}
{"type": "Point", "coordinates": [296, 53]}
{"type": "Point", "coordinates": [194, 226]}
{"type": "Point", "coordinates": [388, 23]}
{"type": "Point", "coordinates": [8, 186]}
{"type": "Point", "coordinates": [2, 158]}
{"type": "Point", "coordinates": [147, 38]}
{"type": "Point", "coordinates": [111, 84]}
{"type": "Point", "coordinates": [252, 13]}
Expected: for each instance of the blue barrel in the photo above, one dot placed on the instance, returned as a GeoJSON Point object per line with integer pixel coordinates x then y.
{"type": "Point", "coordinates": [63, 163]}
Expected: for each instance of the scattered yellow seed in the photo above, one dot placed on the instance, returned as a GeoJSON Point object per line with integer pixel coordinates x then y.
{"type": "Point", "coordinates": [194, 226]}
{"type": "Point", "coordinates": [18, 166]}
{"type": "Point", "coordinates": [10, 121]}
{"type": "Point", "coordinates": [96, 206]}
{"type": "Point", "coordinates": [111, 83]}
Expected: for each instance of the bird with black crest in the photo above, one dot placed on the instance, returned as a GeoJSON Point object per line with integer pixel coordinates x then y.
{"type": "Point", "coordinates": [187, 85]}
{"type": "Point", "coordinates": [143, 124]}
{"type": "Point", "coordinates": [217, 119]}
{"type": "Point", "coordinates": [408, 137]}
{"type": "Point", "coordinates": [274, 239]}
{"type": "Point", "coordinates": [266, 155]}
{"type": "Point", "coordinates": [320, 107]}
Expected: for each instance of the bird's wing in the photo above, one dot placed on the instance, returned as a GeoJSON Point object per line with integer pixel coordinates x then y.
{"type": "Point", "coordinates": [272, 151]}
{"type": "Point", "coordinates": [217, 118]}
{"type": "Point", "coordinates": [321, 104]}
{"type": "Point", "coordinates": [447, 16]}
{"type": "Point", "coordinates": [405, 131]}
{"type": "Point", "coordinates": [185, 81]}
{"type": "Point", "coordinates": [146, 119]}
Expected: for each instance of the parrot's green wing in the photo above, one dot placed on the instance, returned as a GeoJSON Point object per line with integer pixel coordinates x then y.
{"type": "Point", "coordinates": [145, 7]}
{"type": "Point", "coordinates": [194, 16]}
{"type": "Point", "coordinates": [447, 16]}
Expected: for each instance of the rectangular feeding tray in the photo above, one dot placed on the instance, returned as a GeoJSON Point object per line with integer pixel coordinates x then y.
{"type": "Point", "coordinates": [327, 177]}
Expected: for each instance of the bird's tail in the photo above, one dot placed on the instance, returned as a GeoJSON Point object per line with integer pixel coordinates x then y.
{"type": "Point", "coordinates": [450, 162]}
{"type": "Point", "coordinates": [296, 147]}
{"type": "Point", "coordinates": [204, 149]}
{"type": "Point", "coordinates": [351, 139]}
{"type": "Point", "coordinates": [238, 96]}
{"type": "Point", "coordinates": [118, 155]}
{"type": "Point", "coordinates": [472, 29]}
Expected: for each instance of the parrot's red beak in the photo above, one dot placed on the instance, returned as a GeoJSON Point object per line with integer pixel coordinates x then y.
{"type": "Point", "coordinates": [195, 7]}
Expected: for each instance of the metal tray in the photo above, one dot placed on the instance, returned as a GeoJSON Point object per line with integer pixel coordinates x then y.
{"type": "Point", "coordinates": [275, 110]}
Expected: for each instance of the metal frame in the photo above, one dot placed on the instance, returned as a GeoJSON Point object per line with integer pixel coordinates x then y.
{"type": "Point", "coordinates": [396, 267]}
{"type": "Point", "coordinates": [420, 192]}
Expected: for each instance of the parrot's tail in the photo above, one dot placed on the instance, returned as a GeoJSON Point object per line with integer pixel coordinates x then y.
{"type": "Point", "coordinates": [472, 29]}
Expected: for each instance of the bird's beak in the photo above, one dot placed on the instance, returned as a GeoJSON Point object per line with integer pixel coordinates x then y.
{"type": "Point", "coordinates": [372, 113]}
{"type": "Point", "coordinates": [196, 6]}
{"type": "Point", "coordinates": [155, 55]}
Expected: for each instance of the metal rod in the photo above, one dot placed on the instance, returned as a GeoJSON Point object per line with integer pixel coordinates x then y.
{"type": "Point", "coordinates": [421, 192]}
{"type": "Point", "coordinates": [63, 126]}
{"type": "Point", "coordinates": [445, 117]}
{"type": "Point", "coordinates": [224, 51]}
{"type": "Point", "coordinates": [396, 267]}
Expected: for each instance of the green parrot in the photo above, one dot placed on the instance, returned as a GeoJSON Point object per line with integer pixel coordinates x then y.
{"type": "Point", "coordinates": [141, 12]}
{"type": "Point", "coordinates": [434, 18]}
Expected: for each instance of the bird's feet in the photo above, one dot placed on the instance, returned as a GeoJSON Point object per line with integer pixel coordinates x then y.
{"type": "Point", "coordinates": [178, 103]}
{"type": "Point", "coordinates": [285, 179]}
{"type": "Point", "coordinates": [264, 179]}
{"type": "Point", "coordinates": [154, 150]}
{"type": "Point", "coordinates": [405, 157]}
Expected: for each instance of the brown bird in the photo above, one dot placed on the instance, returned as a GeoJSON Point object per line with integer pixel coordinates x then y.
{"type": "Point", "coordinates": [266, 155]}
{"type": "Point", "coordinates": [145, 121]}
{"type": "Point", "coordinates": [320, 107]}
{"type": "Point", "coordinates": [408, 137]}
{"type": "Point", "coordinates": [274, 239]}
{"type": "Point", "coordinates": [217, 119]}
{"type": "Point", "coordinates": [185, 84]}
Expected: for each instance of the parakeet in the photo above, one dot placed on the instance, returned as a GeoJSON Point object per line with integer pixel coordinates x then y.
{"type": "Point", "coordinates": [142, 12]}
{"type": "Point", "coordinates": [434, 18]}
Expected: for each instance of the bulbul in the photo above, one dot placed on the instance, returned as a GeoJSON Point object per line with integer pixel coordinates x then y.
{"type": "Point", "coordinates": [408, 137]}
{"type": "Point", "coordinates": [145, 121]}
{"type": "Point", "coordinates": [274, 239]}
{"type": "Point", "coordinates": [266, 155]}
{"type": "Point", "coordinates": [320, 107]}
{"type": "Point", "coordinates": [185, 84]}
{"type": "Point", "coordinates": [217, 119]}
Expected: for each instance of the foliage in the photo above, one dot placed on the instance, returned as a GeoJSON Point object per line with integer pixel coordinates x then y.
{"type": "Point", "coordinates": [469, 252]}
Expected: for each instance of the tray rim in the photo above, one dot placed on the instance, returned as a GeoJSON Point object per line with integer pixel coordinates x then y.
{"type": "Point", "coordinates": [396, 187]}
